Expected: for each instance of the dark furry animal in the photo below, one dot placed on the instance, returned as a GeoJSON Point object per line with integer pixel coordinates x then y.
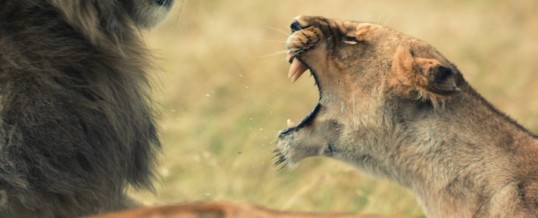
{"type": "Point", "coordinates": [76, 125]}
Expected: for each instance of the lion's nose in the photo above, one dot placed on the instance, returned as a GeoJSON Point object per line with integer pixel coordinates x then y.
{"type": "Point", "coordinates": [300, 22]}
{"type": "Point", "coordinates": [295, 26]}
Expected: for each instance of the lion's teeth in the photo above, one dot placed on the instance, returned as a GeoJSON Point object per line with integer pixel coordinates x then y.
{"type": "Point", "coordinates": [296, 70]}
{"type": "Point", "coordinates": [290, 123]}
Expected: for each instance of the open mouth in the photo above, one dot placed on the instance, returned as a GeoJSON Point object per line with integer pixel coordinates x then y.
{"type": "Point", "coordinates": [291, 140]}
{"type": "Point", "coordinates": [297, 68]}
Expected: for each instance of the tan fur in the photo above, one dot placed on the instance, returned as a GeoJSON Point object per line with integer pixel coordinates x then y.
{"type": "Point", "coordinates": [392, 105]}
{"type": "Point", "coordinates": [221, 210]}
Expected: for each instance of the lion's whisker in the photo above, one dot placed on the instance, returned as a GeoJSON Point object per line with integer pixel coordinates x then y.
{"type": "Point", "coordinates": [278, 30]}
{"type": "Point", "coordinates": [271, 40]}
{"type": "Point", "coordinates": [274, 54]}
{"type": "Point", "coordinates": [388, 19]}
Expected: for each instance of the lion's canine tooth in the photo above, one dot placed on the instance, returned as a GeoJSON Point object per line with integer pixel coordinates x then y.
{"type": "Point", "coordinates": [290, 123]}
{"type": "Point", "coordinates": [296, 70]}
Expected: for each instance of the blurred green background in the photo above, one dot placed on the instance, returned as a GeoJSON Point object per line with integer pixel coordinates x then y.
{"type": "Point", "coordinates": [223, 93]}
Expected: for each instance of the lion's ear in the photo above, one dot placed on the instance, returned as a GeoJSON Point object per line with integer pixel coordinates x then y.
{"type": "Point", "coordinates": [424, 74]}
{"type": "Point", "coordinates": [436, 77]}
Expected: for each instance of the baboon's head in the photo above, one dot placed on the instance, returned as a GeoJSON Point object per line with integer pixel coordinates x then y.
{"type": "Point", "coordinates": [369, 76]}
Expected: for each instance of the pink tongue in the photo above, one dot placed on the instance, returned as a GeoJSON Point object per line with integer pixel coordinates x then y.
{"type": "Point", "coordinates": [296, 70]}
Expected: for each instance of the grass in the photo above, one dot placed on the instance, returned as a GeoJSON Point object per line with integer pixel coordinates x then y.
{"type": "Point", "coordinates": [224, 95]}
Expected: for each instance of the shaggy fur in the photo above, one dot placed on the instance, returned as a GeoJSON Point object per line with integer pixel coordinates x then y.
{"type": "Point", "coordinates": [394, 106]}
{"type": "Point", "coordinates": [76, 125]}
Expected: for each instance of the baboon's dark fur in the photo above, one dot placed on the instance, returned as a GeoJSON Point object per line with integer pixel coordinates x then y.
{"type": "Point", "coordinates": [76, 125]}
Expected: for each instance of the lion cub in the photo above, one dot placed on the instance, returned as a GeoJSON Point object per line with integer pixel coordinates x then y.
{"type": "Point", "coordinates": [394, 106]}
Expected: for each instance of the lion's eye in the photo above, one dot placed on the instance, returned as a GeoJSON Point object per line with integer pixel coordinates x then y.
{"type": "Point", "coordinates": [352, 40]}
